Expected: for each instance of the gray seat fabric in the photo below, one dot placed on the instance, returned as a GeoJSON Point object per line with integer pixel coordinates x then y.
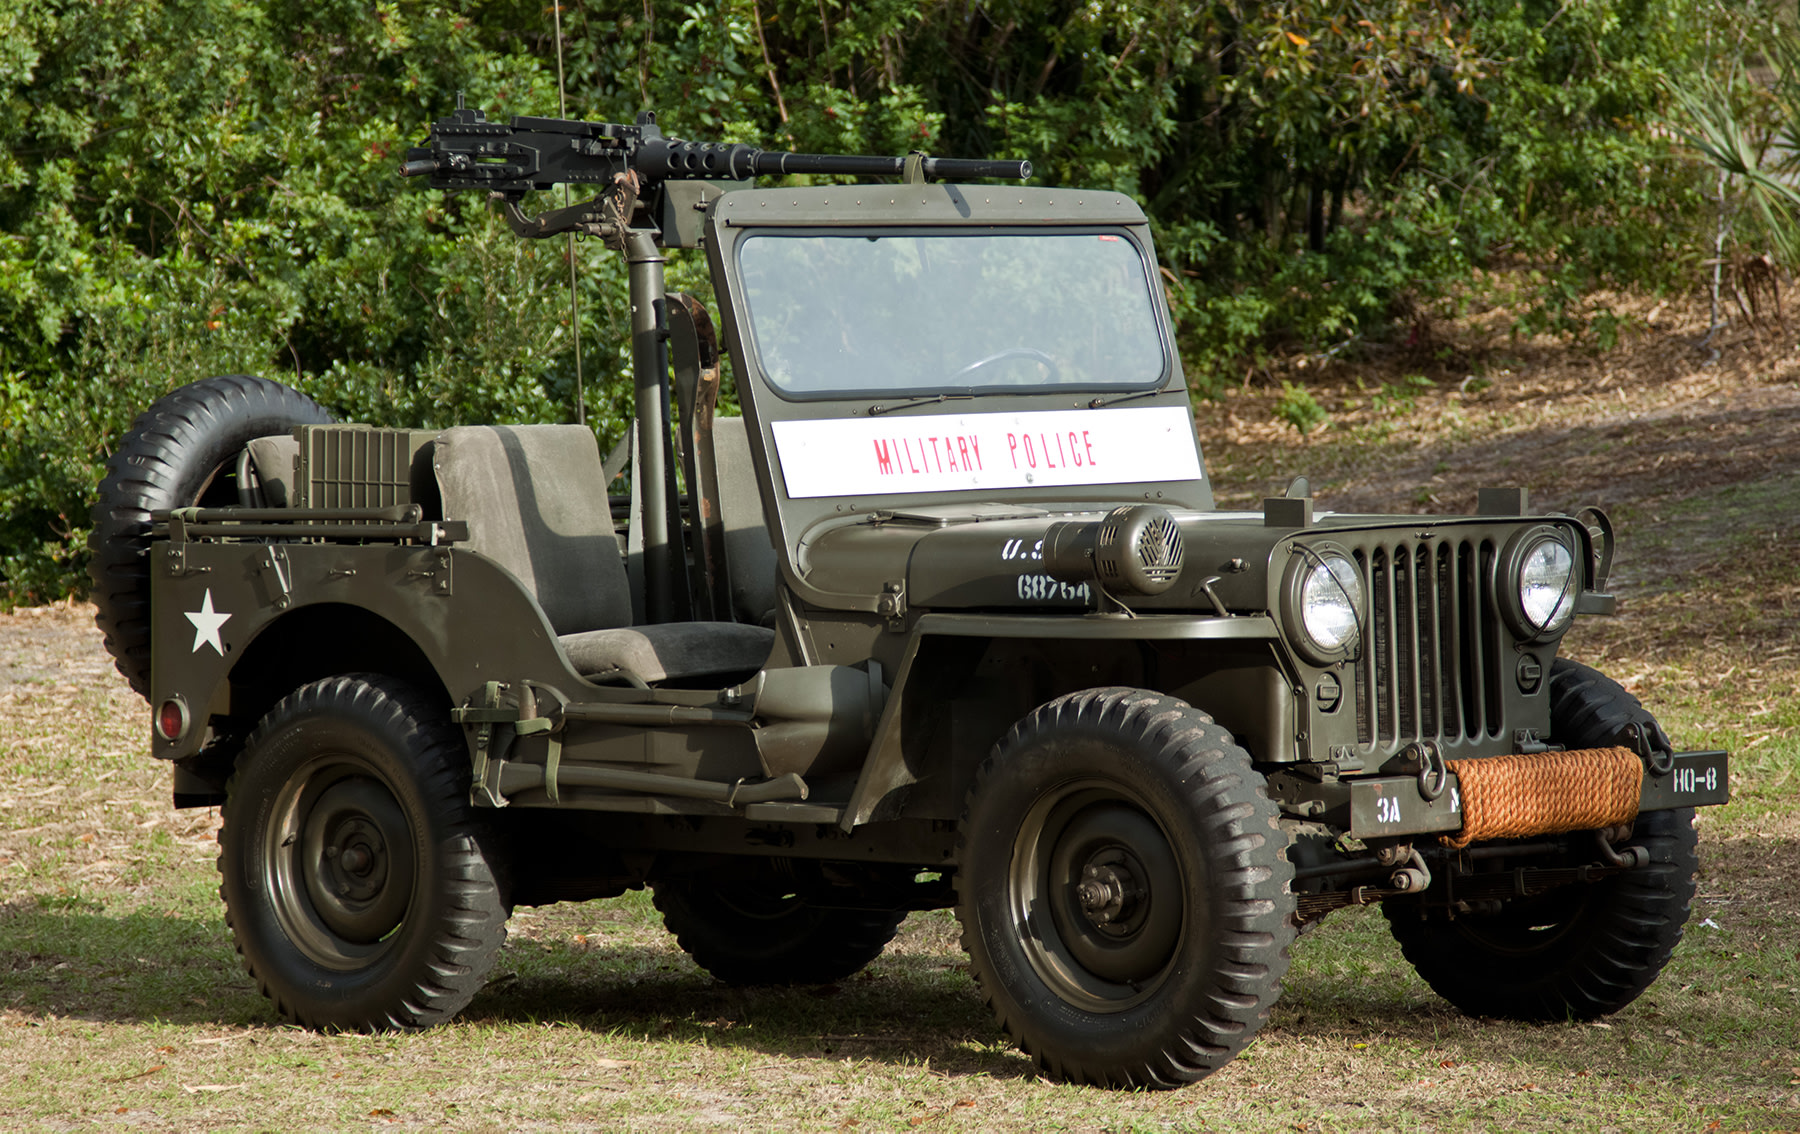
{"type": "Point", "coordinates": [273, 459]}
{"type": "Point", "coordinates": [534, 497]}
{"type": "Point", "coordinates": [535, 500]}
{"type": "Point", "coordinates": [749, 554]}
{"type": "Point", "coordinates": [674, 649]}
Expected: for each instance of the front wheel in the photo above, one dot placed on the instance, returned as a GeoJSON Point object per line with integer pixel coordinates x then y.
{"type": "Point", "coordinates": [1580, 950]}
{"type": "Point", "coordinates": [1122, 890]}
{"type": "Point", "coordinates": [357, 882]}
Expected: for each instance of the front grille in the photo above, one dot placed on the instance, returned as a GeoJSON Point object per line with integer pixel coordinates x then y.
{"type": "Point", "coordinates": [1424, 671]}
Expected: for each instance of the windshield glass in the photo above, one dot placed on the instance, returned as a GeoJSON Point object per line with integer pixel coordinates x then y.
{"type": "Point", "coordinates": [855, 314]}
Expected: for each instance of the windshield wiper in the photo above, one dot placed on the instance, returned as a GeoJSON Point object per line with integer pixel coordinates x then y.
{"type": "Point", "coordinates": [1117, 398]}
{"type": "Point", "coordinates": [930, 400]}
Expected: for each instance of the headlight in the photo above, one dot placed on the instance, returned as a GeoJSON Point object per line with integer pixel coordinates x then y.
{"type": "Point", "coordinates": [1545, 583]}
{"type": "Point", "coordinates": [1325, 599]}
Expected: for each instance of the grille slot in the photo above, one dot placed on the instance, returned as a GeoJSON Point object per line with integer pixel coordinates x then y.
{"type": "Point", "coordinates": [1424, 671]}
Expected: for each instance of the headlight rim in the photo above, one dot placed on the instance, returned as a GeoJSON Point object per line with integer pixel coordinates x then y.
{"type": "Point", "coordinates": [1510, 583]}
{"type": "Point", "coordinates": [1307, 558]}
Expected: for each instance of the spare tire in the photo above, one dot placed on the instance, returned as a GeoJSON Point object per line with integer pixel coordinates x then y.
{"type": "Point", "coordinates": [180, 452]}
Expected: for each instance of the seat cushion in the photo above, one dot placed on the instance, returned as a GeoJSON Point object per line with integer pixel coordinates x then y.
{"type": "Point", "coordinates": [671, 649]}
{"type": "Point", "coordinates": [535, 500]}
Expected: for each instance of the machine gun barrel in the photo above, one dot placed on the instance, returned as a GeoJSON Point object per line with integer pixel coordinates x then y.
{"type": "Point", "coordinates": [466, 151]}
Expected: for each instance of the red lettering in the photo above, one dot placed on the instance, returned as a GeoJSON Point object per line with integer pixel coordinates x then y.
{"type": "Point", "coordinates": [1012, 441]}
{"type": "Point", "coordinates": [909, 456]}
{"type": "Point", "coordinates": [884, 461]}
{"type": "Point", "coordinates": [1087, 440]}
{"type": "Point", "coordinates": [976, 442]}
{"type": "Point", "coordinates": [1059, 451]}
{"type": "Point", "coordinates": [949, 454]}
{"type": "Point", "coordinates": [962, 446]}
{"type": "Point", "coordinates": [1048, 463]}
{"type": "Point", "coordinates": [1078, 461]}
{"type": "Point", "coordinates": [1030, 452]}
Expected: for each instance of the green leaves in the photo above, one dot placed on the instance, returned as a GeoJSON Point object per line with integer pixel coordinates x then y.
{"type": "Point", "coordinates": [189, 186]}
{"type": "Point", "coordinates": [1750, 131]}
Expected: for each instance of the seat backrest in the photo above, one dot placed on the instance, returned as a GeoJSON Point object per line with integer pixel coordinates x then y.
{"type": "Point", "coordinates": [749, 553]}
{"type": "Point", "coordinates": [534, 497]}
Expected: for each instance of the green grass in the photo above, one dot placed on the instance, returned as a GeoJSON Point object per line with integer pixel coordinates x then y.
{"type": "Point", "coordinates": [123, 1004]}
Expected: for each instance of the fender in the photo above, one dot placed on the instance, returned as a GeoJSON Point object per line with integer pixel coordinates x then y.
{"type": "Point", "coordinates": [888, 768]}
{"type": "Point", "coordinates": [470, 618]}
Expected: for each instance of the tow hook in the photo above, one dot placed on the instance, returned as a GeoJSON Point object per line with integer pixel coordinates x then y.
{"type": "Point", "coordinates": [1630, 858]}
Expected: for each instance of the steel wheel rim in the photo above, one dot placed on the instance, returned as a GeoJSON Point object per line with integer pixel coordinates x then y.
{"type": "Point", "coordinates": [1107, 947]}
{"type": "Point", "coordinates": [340, 862]}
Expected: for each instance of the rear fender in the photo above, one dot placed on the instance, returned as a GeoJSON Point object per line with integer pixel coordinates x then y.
{"type": "Point", "coordinates": [232, 634]}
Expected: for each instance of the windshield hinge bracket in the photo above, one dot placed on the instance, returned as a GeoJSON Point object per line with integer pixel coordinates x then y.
{"type": "Point", "coordinates": [892, 605]}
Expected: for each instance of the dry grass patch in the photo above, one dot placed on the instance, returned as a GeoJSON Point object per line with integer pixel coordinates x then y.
{"type": "Point", "coordinates": [1419, 429]}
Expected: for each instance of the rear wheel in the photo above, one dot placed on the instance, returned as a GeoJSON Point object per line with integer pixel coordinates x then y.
{"type": "Point", "coordinates": [1577, 951]}
{"type": "Point", "coordinates": [755, 925]}
{"type": "Point", "coordinates": [1122, 890]}
{"type": "Point", "coordinates": [359, 887]}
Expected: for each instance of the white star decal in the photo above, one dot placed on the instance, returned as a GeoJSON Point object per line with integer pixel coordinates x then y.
{"type": "Point", "coordinates": [206, 625]}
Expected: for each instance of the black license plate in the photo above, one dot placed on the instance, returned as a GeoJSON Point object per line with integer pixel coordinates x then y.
{"type": "Point", "coordinates": [1698, 779]}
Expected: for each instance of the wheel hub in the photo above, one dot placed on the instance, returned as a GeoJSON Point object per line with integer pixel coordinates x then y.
{"type": "Point", "coordinates": [1104, 892]}
{"type": "Point", "coordinates": [355, 860]}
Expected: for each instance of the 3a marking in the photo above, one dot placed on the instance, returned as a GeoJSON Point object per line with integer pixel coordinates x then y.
{"type": "Point", "coordinates": [1387, 809]}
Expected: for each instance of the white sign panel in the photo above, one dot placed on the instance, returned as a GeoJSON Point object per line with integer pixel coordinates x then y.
{"type": "Point", "coordinates": [986, 451]}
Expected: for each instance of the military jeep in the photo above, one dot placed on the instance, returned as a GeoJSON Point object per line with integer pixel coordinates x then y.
{"type": "Point", "coordinates": [946, 618]}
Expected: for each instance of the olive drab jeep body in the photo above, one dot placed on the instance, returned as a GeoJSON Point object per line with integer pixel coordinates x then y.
{"type": "Point", "coordinates": [948, 617]}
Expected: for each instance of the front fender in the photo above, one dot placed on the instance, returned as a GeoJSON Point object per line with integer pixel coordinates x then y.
{"type": "Point", "coordinates": [897, 754]}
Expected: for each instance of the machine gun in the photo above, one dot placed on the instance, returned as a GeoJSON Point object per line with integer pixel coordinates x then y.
{"type": "Point", "coordinates": [629, 163]}
{"type": "Point", "coordinates": [654, 191]}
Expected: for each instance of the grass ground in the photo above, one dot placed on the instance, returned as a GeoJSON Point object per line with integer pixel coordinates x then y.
{"type": "Point", "coordinates": [123, 1006]}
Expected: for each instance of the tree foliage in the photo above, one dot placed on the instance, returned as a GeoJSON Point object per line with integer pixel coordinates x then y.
{"type": "Point", "coordinates": [197, 186]}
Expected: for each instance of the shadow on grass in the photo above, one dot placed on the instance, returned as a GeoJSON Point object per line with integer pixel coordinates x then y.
{"type": "Point", "coordinates": [72, 958]}
{"type": "Point", "coordinates": [1348, 985]}
{"type": "Point", "coordinates": [903, 1009]}
{"type": "Point", "coordinates": [69, 957]}
{"type": "Point", "coordinates": [1725, 1001]}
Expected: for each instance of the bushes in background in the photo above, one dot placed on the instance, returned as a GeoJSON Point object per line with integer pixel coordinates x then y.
{"type": "Point", "coordinates": [199, 186]}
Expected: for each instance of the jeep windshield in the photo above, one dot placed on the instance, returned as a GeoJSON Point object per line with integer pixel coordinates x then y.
{"type": "Point", "coordinates": [862, 314]}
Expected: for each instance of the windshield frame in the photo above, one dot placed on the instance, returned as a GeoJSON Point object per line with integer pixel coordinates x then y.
{"type": "Point", "coordinates": [1124, 232]}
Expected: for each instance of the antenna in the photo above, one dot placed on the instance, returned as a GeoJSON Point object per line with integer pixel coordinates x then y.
{"type": "Point", "coordinates": [562, 110]}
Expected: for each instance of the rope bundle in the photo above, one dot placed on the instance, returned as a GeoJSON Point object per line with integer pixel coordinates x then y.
{"type": "Point", "coordinates": [1510, 797]}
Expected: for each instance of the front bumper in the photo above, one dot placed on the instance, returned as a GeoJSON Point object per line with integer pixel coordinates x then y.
{"type": "Point", "coordinates": [1383, 807]}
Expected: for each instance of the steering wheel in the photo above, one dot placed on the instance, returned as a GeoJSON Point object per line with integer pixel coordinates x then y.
{"type": "Point", "coordinates": [1031, 353]}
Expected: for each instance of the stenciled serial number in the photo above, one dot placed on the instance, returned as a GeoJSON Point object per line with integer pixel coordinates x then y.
{"type": "Point", "coordinates": [1043, 588]}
